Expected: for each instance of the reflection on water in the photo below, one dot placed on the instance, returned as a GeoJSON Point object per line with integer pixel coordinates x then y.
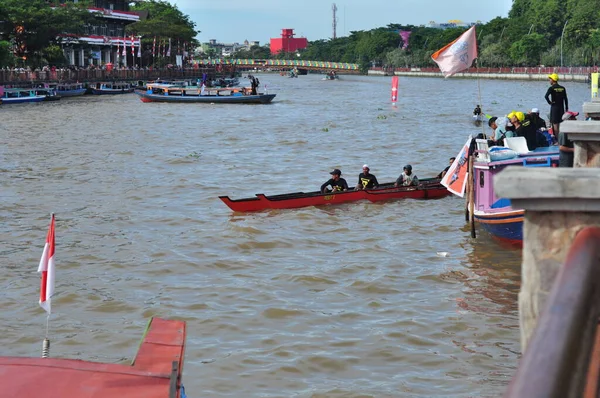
{"type": "Point", "coordinates": [345, 301]}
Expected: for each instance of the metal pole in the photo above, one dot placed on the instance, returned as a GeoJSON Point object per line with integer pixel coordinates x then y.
{"type": "Point", "coordinates": [561, 43]}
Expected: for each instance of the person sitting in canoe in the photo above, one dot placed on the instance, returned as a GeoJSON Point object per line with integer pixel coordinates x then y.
{"type": "Point", "coordinates": [366, 180]}
{"type": "Point", "coordinates": [407, 178]}
{"type": "Point", "coordinates": [477, 111]}
{"type": "Point", "coordinates": [443, 172]}
{"type": "Point", "coordinates": [336, 182]}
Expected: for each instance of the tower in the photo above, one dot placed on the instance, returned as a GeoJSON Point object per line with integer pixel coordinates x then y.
{"type": "Point", "coordinates": [334, 9]}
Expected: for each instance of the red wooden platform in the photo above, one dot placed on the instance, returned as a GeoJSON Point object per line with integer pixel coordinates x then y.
{"type": "Point", "coordinates": [155, 372]}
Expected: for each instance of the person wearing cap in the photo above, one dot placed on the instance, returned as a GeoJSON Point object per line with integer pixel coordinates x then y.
{"type": "Point", "coordinates": [566, 147]}
{"type": "Point", "coordinates": [539, 123]}
{"type": "Point", "coordinates": [336, 182]}
{"type": "Point", "coordinates": [407, 177]}
{"type": "Point", "coordinates": [525, 128]}
{"type": "Point", "coordinates": [556, 97]}
{"type": "Point", "coordinates": [366, 180]}
{"type": "Point", "coordinates": [499, 125]}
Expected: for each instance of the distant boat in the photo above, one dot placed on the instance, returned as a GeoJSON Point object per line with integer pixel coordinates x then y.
{"type": "Point", "coordinates": [169, 93]}
{"type": "Point", "coordinates": [69, 89]}
{"type": "Point", "coordinates": [110, 88]}
{"type": "Point", "coordinates": [21, 95]}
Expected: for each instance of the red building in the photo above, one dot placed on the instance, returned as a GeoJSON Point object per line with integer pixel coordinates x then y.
{"type": "Point", "coordinates": [287, 42]}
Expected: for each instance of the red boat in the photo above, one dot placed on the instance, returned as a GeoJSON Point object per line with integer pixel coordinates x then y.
{"type": "Point", "coordinates": [427, 189]}
{"type": "Point", "coordinates": [155, 372]}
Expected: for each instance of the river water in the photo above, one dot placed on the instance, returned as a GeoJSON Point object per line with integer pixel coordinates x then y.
{"type": "Point", "coordinates": [345, 301]}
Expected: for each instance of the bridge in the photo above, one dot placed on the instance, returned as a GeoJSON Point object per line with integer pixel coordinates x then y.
{"type": "Point", "coordinates": [280, 64]}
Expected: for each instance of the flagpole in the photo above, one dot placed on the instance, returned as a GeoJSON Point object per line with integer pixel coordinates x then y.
{"type": "Point", "coordinates": [46, 267]}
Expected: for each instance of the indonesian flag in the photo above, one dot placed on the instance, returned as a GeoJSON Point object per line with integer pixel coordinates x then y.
{"type": "Point", "coordinates": [132, 46]}
{"type": "Point", "coordinates": [458, 55]}
{"type": "Point", "coordinates": [47, 269]}
{"type": "Point", "coordinates": [124, 54]}
{"type": "Point", "coordinates": [154, 47]}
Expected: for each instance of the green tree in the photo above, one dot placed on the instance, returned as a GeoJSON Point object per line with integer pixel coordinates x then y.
{"type": "Point", "coordinates": [33, 25]}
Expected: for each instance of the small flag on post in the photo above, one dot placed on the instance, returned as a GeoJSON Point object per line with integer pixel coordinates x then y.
{"type": "Point", "coordinates": [46, 267]}
{"type": "Point", "coordinates": [458, 55]}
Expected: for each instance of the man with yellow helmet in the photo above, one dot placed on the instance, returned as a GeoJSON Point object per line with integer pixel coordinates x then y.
{"type": "Point", "coordinates": [556, 96]}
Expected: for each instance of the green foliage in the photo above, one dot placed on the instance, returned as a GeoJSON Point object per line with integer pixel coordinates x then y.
{"type": "Point", "coordinates": [255, 52]}
{"type": "Point", "coordinates": [32, 25]}
{"type": "Point", "coordinates": [6, 55]}
{"type": "Point", "coordinates": [164, 20]}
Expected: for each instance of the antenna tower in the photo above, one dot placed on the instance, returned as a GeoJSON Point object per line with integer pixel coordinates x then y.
{"type": "Point", "coordinates": [334, 24]}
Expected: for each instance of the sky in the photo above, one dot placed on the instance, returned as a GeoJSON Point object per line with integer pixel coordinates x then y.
{"type": "Point", "coordinates": [233, 21]}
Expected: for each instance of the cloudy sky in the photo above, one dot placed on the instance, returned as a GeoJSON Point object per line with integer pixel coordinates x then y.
{"type": "Point", "coordinates": [230, 21]}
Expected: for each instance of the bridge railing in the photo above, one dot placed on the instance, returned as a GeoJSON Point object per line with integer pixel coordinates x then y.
{"type": "Point", "coordinates": [8, 77]}
{"type": "Point", "coordinates": [562, 358]}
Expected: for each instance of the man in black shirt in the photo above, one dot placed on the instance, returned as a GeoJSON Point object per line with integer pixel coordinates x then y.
{"type": "Point", "coordinates": [443, 172]}
{"type": "Point", "coordinates": [366, 180]}
{"type": "Point", "coordinates": [525, 128]}
{"type": "Point", "coordinates": [336, 182]}
{"type": "Point", "coordinates": [556, 96]}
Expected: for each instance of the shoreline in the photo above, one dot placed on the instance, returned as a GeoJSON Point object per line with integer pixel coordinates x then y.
{"type": "Point", "coordinates": [566, 77]}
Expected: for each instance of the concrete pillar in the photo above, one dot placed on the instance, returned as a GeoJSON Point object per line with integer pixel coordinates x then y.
{"type": "Point", "coordinates": [586, 136]}
{"type": "Point", "coordinates": [81, 57]}
{"type": "Point", "coordinates": [558, 203]}
{"type": "Point", "coordinates": [71, 56]}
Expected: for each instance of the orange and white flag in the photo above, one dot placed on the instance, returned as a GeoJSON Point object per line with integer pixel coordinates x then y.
{"type": "Point", "coordinates": [47, 269]}
{"type": "Point", "coordinates": [458, 55]}
{"type": "Point", "coordinates": [455, 179]}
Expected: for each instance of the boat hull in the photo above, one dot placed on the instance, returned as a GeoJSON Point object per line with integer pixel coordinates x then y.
{"type": "Point", "coordinates": [22, 100]}
{"type": "Point", "coordinates": [429, 190]}
{"type": "Point", "coordinates": [504, 226]}
{"type": "Point", "coordinates": [72, 93]}
{"type": "Point", "coordinates": [207, 99]}
{"type": "Point", "coordinates": [111, 91]}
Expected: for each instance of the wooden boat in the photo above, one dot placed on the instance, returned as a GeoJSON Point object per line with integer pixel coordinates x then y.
{"type": "Point", "coordinates": [21, 95]}
{"type": "Point", "coordinates": [427, 189]}
{"type": "Point", "coordinates": [155, 372]}
{"type": "Point", "coordinates": [49, 93]}
{"type": "Point", "coordinates": [110, 88]}
{"type": "Point", "coordinates": [231, 95]}
{"type": "Point", "coordinates": [496, 215]}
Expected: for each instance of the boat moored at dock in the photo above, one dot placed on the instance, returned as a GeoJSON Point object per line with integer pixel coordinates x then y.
{"type": "Point", "coordinates": [106, 88]}
{"type": "Point", "coordinates": [21, 95]}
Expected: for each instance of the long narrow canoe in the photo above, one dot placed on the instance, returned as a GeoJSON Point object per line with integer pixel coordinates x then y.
{"type": "Point", "coordinates": [206, 99]}
{"type": "Point", "coordinates": [427, 189]}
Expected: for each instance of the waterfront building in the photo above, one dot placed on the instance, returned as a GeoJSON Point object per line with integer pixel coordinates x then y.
{"type": "Point", "coordinates": [105, 41]}
{"type": "Point", "coordinates": [287, 42]}
{"type": "Point", "coordinates": [225, 49]}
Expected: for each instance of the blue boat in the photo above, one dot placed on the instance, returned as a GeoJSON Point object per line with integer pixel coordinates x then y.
{"type": "Point", "coordinates": [69, 89]}
{"type": "Point", "coordinates": [21, 95]}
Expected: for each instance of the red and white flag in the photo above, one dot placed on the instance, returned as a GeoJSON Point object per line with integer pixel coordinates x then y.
{"type": "Point", "coordinates": [47, 269]}
{"type": "Point", "coordinates": [458, 55]}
